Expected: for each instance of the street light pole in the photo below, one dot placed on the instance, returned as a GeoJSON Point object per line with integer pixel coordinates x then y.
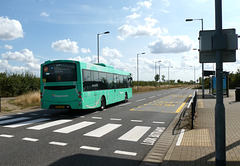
{"type": "Point", "coordinates": [168, 75]}
{"type": "Point", "coordinates": [156, 72]}
{"type": "Point", "coordinates": [138, 72]}
{"type": "Point", "coordinates": [99, 34]}
{"type": "Point", "coordinates": [193, 75]}
{"type": "Point", "coordinates": [202, 63]}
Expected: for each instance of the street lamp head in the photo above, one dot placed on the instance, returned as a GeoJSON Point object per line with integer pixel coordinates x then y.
{"type": "Point", "coordinates": [143, 52]}
{"type": "Point", "coordinates": [106, 32]}
{"type": "Point", "coordinates": [189, 20]}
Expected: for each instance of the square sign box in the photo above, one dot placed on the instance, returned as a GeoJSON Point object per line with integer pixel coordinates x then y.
{"type": "Point", "coordinates": [208, 42]}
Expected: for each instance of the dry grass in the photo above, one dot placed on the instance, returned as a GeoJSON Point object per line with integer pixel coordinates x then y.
{"type": "Point", "coordinates": [30, 99]}
{"type": "Point", "coordinates": [153, 88]}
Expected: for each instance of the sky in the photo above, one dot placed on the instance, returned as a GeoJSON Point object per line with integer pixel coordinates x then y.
{"type": "Point", "coordinates": [34, 31]}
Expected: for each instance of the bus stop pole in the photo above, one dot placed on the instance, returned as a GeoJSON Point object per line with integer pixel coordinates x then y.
{"type": "Point", "coordinates": [220, 130]}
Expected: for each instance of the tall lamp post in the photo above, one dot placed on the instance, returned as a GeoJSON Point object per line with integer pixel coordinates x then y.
{"type": "Point", "coordinates": [168, 75]}
{"type": "Point", "coordinates": [155, 71]}
{"type": "Point", "coordinates": [194, 75]}
{"type": "Point", "coordinates": [137, 71]}
{"type": "Point", "coordinates": [99, 34]}
{"type": "Point", "coordinates": [202, 63]}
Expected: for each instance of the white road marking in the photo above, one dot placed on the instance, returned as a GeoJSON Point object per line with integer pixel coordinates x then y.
{"type": "Point", "coordinates": [6, 136]}
{"type": "Point", "coordinates": [124, 104]}
{"type": "Point", "coordinates": [74, 127]}
{"type": "Point", "coordinates": [158, 122]}
{"type": "Point", "coordinates": [96, 117]}
{"type": "Point", "coordinates": [4, 117]}
{"type": "Point", "coordinates": [125, 153]}
{"type": "Point", "coordinates": [180, 137]}
{"type": "Point", "coordinates": [115, 119]}
{"type": "Point", "coordinates": [49, 124]}
{"type": "Point", "coordinates": [152, 97]}
{"type": "Point", "coordinates": [90, 148]}
{"type": "Point", "coordinates": [30, 139]}
{"type": "Point", "coordinates": [14, 120]}
{"type": "Point", "coordinates": [141, 100]}
{"type": "Point", "coordinates": [136, 121]}
{"type": "Point", "coordinates": [101, 131]}
{"type": "Point", "coordinates": [26, 123]}
{"type": "Point", "coordinates": [159, 95]}
{"type": "Point", "coordinates": [58, 143]}
{"type": "Point", "coordinates": [134, 134]}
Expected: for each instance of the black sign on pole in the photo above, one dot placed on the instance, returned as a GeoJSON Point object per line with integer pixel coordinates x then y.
{"type": "Point", "coordinates": [209, 72]}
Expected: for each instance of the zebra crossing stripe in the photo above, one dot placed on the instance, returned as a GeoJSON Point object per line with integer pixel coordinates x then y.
{"type": "Point", "coordinates": [99, 132]}
{"type": "Point", "coordinates": [50, 124]}
{"type": "Point", "coordinates": [13, 120]}
{"type": "Point", "coordinates": [125, 153]}
{"type": "Point", "coordinates": [74, 127]}
{"type": "Point", "coordinates": [26, 123]}
{"type": "Point", "coordinates": [134, 134]}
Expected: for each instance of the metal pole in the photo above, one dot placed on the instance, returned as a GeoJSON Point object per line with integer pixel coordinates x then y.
{"type": "Point", "coordinates": [137, 75]}
{"type": "Point", "coordinates": [202, 69]}
{"type": "Point", "coordinates": [98, 46]}
{"type": "Point", "coordinates": [220, 130]}
{"type": "Point", "coordinates": [159, 76]}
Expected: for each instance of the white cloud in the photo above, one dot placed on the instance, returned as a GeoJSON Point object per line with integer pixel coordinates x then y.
{"type": "Point", "coordinates": [8, 47]}
{"type": "Point", "coordinates": [4, 66]}
{"type": "Point", "coordinates": [44, 14]}
{"type": "Point", "coordinates": [146, 4]}
{"type": "Point", "coordinates": [133, 16]}
{"type": "Point", "coordinates": [10, 29]}
{"type": "Point", "coordinates": [90, 59]}
{"type": "Point", "coordinates": [171, 44]}
{"type": "Point", "coordinates": [66, 46]}
{"type": "Point", "coordinates": [112, 53]}
{"type": "Point", "coordinates": [24, 55]}
{"type": "Point", "coordinates": [85, 50]}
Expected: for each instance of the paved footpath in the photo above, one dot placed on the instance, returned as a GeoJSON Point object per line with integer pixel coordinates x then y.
{"type": "Point", "coordinates": [197, 146]}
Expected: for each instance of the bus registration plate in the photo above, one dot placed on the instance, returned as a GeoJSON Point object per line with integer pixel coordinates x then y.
{"type": "Point", "coordinates": [59, 106]}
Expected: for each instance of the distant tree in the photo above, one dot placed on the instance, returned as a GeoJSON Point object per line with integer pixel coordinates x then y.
{"type": "Point", "coordinates": [163, 78]}
{"type": "Point", "coordinates": [156, 78]}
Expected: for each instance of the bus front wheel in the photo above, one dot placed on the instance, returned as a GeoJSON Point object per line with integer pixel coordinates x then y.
{"type": "Point", "coordinates": [103, 103]}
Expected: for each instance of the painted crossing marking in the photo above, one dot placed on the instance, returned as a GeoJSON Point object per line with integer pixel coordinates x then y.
{"type": "Point", "coordinates": [125, 153]}
{"type": "Point", "coordinates": [116, 119]}
{"type": "Point", "coordinates": [156, 122]}
{"type": "Point", "coordinates": [74, 127]}
{"type": "Point", "coordinates": [14, 120]}
{"type": "Point", "coordinates": [30, 139]}
{"type": "Point", "coordinates": [99, 132]}
{"type": "Point", "coordinates": [134, 134]}
{"type": "Point", "coordinates": [6, 136]}
{"type": "Point", "coordinates": [136, 121]}
{"type": "Point", "coordinates": [152, 138]}
{"type": "Point", "coordinates": [50, 124]}
{"type": "Point", "coordinates": [26, 123]}
{"type": "Point", "coordinates": [97, 118]}
{"type": "Point", "coordinates": [152, 97]}
{"type": "Point", "coordinates": [58, 143]}
{"type": "Point", "coordinates": [90, 148]}
{"type": "Point", "coordinates": [141, 100]}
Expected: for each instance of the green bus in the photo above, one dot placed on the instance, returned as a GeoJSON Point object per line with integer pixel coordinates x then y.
{"type": "Point", "coordinates": [69, 84]}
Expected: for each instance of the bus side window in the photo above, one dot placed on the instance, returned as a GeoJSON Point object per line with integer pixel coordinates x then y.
{"type": "Point", "coordinates": [103, 80]}
{"type": "Point", "coordinates": [87, 80]}
{"type": "Point", "coordinates": [116, 84]}
{"type": "Point", "coordinates": [125, 81]}
{"type": "Point", "coordinates": [110, 81]}
{"type": "Point", "coordinates": [95, 83]}
{"type": "Point", "coordinates": [120, 81]}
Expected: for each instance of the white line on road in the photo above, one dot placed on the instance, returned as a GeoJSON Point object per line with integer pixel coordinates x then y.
{"type": "Point", "coordinates": [180, 137]}
{"type": "Point", "coordinates": [158, 122]}
{"type": "Point", "coordinates": [135, 133]}
{"type": "Point", "coordinates": [115, 119]}
{"type": "Point", "coordinates": [6, 136]}
{"type": "Point", "coordinates": [50, 124]}
{"type": "Point", "coordinates": [58, 143]}
{"type": "Point", "coordinates": [136, 121]}
{"type": "Point", "coordinates": [124, 104]}
{"type": "Point", "coordinates": [96, 117]}
{"type": "Point", "coordinates": [141, 100]}
{"type": "Point", "coordinates": [152, 97]}
{"type": "Point", "coordinates": [125, 153]}
{"type": "Point", "coordinates": [14, 120]}
{"type": "Point", "coordinates": [99, 132]}
{"type": "Point", "coordinates": [90, 148]}
{"type": "Point", "coordinates": [26, 123]}
{"type": "Point", "coordinates": [30, 139]}
{"type": "Point", "coordinates": [74, 127]}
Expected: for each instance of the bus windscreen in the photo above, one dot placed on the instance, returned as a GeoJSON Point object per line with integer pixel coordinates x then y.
{"type": "Point", "coordinates": [59, 72]}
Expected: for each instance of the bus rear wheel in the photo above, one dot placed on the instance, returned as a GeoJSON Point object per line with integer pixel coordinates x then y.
{"type": "Point", "coordinates": [103, 103]}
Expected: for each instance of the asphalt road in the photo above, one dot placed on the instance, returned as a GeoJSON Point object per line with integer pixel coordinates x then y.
{"type": "Point", "coordinates": [122, 134]}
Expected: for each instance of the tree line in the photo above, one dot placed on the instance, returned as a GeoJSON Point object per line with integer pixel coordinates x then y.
{"type": "Point", "coordinates": [13, 84]}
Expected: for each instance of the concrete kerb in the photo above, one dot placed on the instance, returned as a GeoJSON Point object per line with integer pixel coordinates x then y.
{"type": "Point", "coordinates": [163, 148]}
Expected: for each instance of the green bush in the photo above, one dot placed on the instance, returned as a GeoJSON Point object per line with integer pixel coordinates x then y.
{"type": "Point", "coordinates": [12, 84]}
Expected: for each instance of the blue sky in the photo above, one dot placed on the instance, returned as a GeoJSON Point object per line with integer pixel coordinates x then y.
{"type": "Point", "coordinates": [33, 31]}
